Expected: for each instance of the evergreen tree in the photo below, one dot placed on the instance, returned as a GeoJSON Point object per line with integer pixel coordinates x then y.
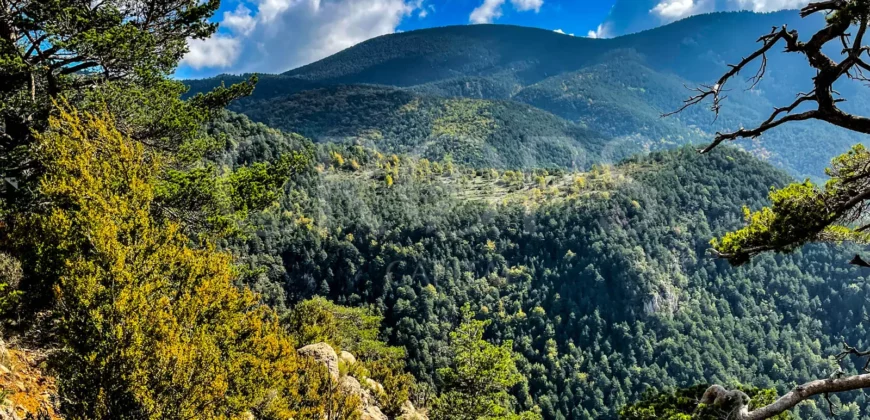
{"type": "Point", "coordinates": [477, 382]}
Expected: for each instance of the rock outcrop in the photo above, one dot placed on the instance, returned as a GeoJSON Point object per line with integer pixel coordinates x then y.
{"type": "Point", "coordinates": [368, 404]}
{"type": "Point", "coordinates": [348, 358]}
{"type": "Point", "coordinates": [325, 354]}
{"type": "Point", "coordinates": [409, 412]}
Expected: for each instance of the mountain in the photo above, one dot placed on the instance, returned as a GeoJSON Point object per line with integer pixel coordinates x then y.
{"type": "Point", "coordinates": [617, 89]}
{"type": "Point", "coordinates": [482, 133]}
{"type": "Point", "coordinates": [600, 278]}
{"type": "Point", "coordinates": [478, 165]}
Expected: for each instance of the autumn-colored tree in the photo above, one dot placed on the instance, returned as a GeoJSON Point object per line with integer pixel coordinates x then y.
{"type": "Point", "coordinates": [149, 326]}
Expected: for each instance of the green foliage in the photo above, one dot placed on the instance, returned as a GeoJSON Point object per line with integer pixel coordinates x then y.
{"type": "Point", "coordinates": [639, 304]}
{"type": "Point", "coordinates": [62, 49]}
{"type": "Point", "coordinates": [801, 213]}
{"type": "Point", "coordinates": [477, 132]}
{"type": "Point", "coordinates": [149, 327]}
{"type": "Point", "coordinates": [683, 404]}
{"type": "Point", "coordinates": [110, 57]}
{"type": "Point", "coordinates": [208, 198]}
{"type": "Point", "coordinates": [10, 277]}
{"type": "Point", "coordinates": [357, 331]}
{"type": "Point", "coordinates": [615, 89]}
{"type": "Point", "coordinates": [476, 384]}
{"type": "Point", "coordinates": [319, 320]}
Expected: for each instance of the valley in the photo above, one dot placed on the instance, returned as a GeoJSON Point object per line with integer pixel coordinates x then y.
{"type": "Point", "coordinates": [433, 220]}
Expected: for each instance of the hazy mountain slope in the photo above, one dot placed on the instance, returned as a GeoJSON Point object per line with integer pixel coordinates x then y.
{"type": "Point", "coordinates": [481, 133]}
{"type": "Point", "coordinates": [417, 57]}
{"type": "Point", "coordinates": [694, 48]}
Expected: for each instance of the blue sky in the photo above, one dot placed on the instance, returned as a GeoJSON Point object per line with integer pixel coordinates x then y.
{"type": "Point", "coordinates": [273, 36]}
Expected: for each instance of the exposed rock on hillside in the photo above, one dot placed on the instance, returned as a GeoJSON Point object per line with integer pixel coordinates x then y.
{"type": "Point", "coordinates": [322, 353]}
{"type": "Point", "coordinates": [369, 409]}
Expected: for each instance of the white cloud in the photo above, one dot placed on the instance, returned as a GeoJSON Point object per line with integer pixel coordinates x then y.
{"type": "Point", "coordinates": [218, 51]}
{"type": "Point", "coordinates": [487, 12]}
{"type": "Point", "coordinates": [285, 34]}
{"type": "Point", "coordinates": [526, 5]}
{"type": "Point", "coordinates": [600, 32]}
{"type": "Point", "coordinates": [671, 10]}
{"type": "Point", "coordinates": [240, 21]}
{"type": "Point", "coordinates": [769, 5]}
{"type": "Point", "coordinates": [559, 31]}
{"type": "Point", "coordinates": [424, 11]}
{"type": "Point", "coordinates": [631, 16]}
{"type": "Point", "coordinates": [675, 9]}
{"type": "Point", "coordinates": [490, 10]}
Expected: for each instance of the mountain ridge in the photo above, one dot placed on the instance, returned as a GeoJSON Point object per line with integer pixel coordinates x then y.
{"type": "Point", "coordinates": [617, 88]}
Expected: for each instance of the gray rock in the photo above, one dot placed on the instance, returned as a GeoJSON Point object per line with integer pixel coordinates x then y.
{"type": "Point", "coordinates": [323, 353]}
{"type": "Point", "coordinates": [347, 357]}
{"type": "Point", "coordinates": [409, 412]}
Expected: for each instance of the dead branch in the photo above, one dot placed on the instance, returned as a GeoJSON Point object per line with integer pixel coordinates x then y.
{"type": "Point", "coordinates": [828, 72]}
{"type": "Point", "coordinates": [797, 395]}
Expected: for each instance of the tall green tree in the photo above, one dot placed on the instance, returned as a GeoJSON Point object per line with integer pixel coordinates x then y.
{"type": "Point", "coordinates": [114, 54]}
{"type": "Point", "coordinates": [356, 330]}
{"type": "Point", "coordinates": [476, 384]}
{"type": "Point", "coordinates": [115, 57]}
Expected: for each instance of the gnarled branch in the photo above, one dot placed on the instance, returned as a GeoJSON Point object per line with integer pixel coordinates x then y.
{"type": "Point", "coordinates": [828, 72]}
{"type": "Point", "coordinates": [797, 395]}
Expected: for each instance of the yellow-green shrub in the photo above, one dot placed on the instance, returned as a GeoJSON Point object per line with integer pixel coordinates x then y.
{"type": "Point", "coordinates": [150, 326]}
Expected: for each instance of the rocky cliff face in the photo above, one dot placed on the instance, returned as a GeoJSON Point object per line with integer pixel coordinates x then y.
{"type": "Point", "coordinates": [369, 409]}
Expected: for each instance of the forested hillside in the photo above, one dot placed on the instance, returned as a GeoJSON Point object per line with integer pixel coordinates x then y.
{"type": "Point", "coordinates": [601, 279]}
{"type": "Point", "coordinates": [482, 133]}
{"type": "Point", "coordinates": [615, 88]}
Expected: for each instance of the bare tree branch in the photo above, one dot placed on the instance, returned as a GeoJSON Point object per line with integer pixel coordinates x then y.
{"type": "Point", "coordinates": [828, 72]}
{"type": "Point", "coordinates": [788, 401]}
{"type": "Point", "coordinates": [755, 132]}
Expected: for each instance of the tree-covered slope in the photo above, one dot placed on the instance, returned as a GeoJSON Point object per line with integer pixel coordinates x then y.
{"type": "Point", "coordinates": [691, 48]}
{"type": "Point", "coordinates": [482, 133]}
{"type": "Point", "coordinates": [618, 88]}
{"type": "Point", "coordinates": [601, 278]}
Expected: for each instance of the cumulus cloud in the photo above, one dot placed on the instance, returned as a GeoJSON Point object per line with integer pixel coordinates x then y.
{"type": "Point", "coordinates": [526, 5]}
{"type": "Point", "coordinates": [670, 10]}
{"type": "Point", "coordinates": [491, 10]}
{"type": "Point", "coordinates": [600, 32]}
{"type": "Point", "coordinates": [285, 34]}
{"type": "Point", "coordinates": [675, 9]}
{"type": "Point", "coordinates": [770, 5]}
{"type": "Point", "coordinates": [487, 12]}
{"type": "Point", "coordinates": [216, 52]}
{"type": "Point", "coordinates": [559, 31]}
{"type": "Point", "coordinates": [629, 16]}
{"type": "Point", "coordinates": [239, 21]}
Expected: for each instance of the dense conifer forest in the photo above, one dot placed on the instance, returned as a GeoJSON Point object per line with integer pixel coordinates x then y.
{"type": "Point", "coordinates": [602, 279]}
